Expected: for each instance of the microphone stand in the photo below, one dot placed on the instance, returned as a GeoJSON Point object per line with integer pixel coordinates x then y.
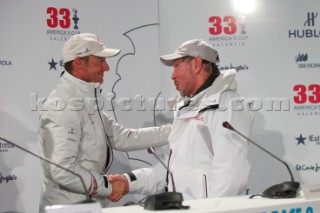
{"type": "Point", "coordinates": [283, 190]}
{"type": "Point", "coordinates": [164, 200]}
{"type": "Point", "coordinates": [53, 163]}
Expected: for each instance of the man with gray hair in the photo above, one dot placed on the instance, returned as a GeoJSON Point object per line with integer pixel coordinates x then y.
{"type": "Point", "coordinates": [206, 159]}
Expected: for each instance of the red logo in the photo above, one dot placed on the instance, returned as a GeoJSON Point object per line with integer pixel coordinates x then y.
{"type": "Point", "coordinates": [226, 25]}
{"type": "Point", "coordinates": [307, 93]}
{"type": "Point", "coordinates": [59, 17]}
{"type": "Point", "coordinates": [198, 118]}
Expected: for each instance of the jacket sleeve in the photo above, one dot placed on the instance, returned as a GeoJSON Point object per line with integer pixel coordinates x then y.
{"type": "Point", "coordinates": [124, 139]}
{"type": "Point", "coordinates": [230, 167]}
{"type": "Point", "coordinates": [59, 139]}
{"type": "Point", "coordinates": [150, 180]}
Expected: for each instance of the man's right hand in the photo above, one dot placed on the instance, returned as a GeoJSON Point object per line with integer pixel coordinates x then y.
{"type": "Point", "coordinates": [120, 187]}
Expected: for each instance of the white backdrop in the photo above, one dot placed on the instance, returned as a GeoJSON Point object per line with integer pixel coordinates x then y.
{"type": "Point", "coordinates": [276, 58]}
{"type": "Point", "coordinates": [30, 68]}
{"type": "Point", "coordinates": [278, 68]}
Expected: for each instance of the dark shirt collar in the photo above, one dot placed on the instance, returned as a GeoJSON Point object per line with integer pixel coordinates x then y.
{"type": "Point", "coordinates": [206, 84]}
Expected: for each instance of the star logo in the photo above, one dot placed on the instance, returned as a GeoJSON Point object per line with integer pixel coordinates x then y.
{"type": "Point", "coordinates": [52, 64]}
{"type": "Point", "coordinates": [300, 140]}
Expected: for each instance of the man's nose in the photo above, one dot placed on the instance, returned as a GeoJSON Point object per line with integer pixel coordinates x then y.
{"type": "Point", "coordinates": [173, 75]}
{"type": "Point", "coordinates": [106, 67]}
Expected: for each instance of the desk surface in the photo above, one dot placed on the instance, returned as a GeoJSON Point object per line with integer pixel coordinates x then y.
{"type": "Point", "coordinates": [237, 205]}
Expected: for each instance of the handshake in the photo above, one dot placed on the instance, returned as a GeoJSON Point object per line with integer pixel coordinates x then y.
{"type": "Point", "coordinates": [120, 187]}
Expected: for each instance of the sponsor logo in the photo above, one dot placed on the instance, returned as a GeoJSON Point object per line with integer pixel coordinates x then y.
{"type": "Point", "coordinates": [308, 209]}
{"type": "Point", "coordinates": [307, 99]}
{"type": "Point", "coordinates": [311, 139]}
{"type": "Point", "coordinates": [62, 23]}
{"type": "Point", "coordinates": [228, 31]}
{"type": "Point", "coordinates": [53, 64]}
{"type": "Point", "coordinates": [5, 63]}
{"type": "Point", "coordinates": [198, 118]}
{"type": "Point", "coordinates": [301, 140]}
{"type": "Point", "coordinates": [4, 147]}
{"type": "Point", "coordinates": [232, 66]}
{"type": "Point", "coordinates": [7, 179]}
{"type": "Point", "coordinates": [303, 63]}
{"type": "Point", "coordinates": [309, 28]}
{"type": "Point", "coordinates": [308, 168]}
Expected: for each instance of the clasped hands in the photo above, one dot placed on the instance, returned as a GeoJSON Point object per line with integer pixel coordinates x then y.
{"type": "Point", "coordinates": [120, 187]}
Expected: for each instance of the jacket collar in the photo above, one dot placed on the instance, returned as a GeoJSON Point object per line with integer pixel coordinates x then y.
{"type": "Point", "coordinates": [86, 88]}
{"type": "Point", "coordinates": [208, 98]}
{"type": "Point", "coordinates": [225, 81]}
{"type": "Point", "coordinates": [206, 84]}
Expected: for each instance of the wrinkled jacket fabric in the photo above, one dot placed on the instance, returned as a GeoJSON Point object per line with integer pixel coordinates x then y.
{"type": "Point", "coordinates": [206, 159]}
{"type": "Point", "coordinates": [76, 136]}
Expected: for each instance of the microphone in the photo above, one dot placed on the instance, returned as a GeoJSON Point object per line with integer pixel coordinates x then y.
{"type": "Point", "coordinates": [51, 162]}
{"type": "Point", "coordinates": [283, 190]}
{"type": "Point", "coordinates": [164, 200]}
{"type": "Point", "coordinates": [151, 151]}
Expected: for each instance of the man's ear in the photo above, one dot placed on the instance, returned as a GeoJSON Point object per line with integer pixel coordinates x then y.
{"type": "Point", "coordinates": [78, 64]}
{"type": "Point", "coordinates": [197, 64]}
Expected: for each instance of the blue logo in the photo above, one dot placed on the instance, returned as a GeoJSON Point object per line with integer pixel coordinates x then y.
{"type": "Point", "coordinates": [301, 139]}
{"type": "Point", "coordinates": [53, 64]}
{"type": "Point", "coordinates": [308, 209]}
{"type": "Point", "coordinates": [311, 17]}
{"type": "Point", "coordinates": [301, 57]}
{"type": "Point", "coordinates": [311, 139]}
{"type": "Point", "coordinates": [302, 61]}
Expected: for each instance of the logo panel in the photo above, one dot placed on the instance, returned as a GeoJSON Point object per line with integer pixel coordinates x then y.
{"type": "Point", "coordinates": [309, 28]}
{"type": "Point", "coordinates": [62, 23]}
{"type": "Point", "coordinates": [228, 31]}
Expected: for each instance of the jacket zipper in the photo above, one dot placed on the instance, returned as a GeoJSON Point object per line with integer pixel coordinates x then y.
{"type": "Point", "coordinates": [109, 157]}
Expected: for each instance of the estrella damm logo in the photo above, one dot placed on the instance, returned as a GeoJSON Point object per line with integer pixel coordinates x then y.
{"type": "Point", "coordinates": [62, 23]}
{"type": "Point", "coordinates": [228, 30]}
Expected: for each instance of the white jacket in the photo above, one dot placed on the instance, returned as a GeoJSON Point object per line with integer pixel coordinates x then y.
{"type": "Point", "coordinates": [74, 135]}
{"type": "Point", "coordinates": [207, 160]}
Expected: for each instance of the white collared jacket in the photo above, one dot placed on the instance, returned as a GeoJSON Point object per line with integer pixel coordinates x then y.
{"type": "Point", "coordinates": [75, 135]}
{"type": "Point", "coordinates": [206, 159]}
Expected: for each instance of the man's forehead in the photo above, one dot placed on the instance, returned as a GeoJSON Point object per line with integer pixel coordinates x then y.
{"type": "Point", "coordinates": [94, 57]}
{"type": "Point", "coordinates": [179, 61]}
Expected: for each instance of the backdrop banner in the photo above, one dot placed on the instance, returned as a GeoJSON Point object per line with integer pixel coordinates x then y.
{"type": "Point", "coordinates": [271, 47]}
{"type": "Point", "coordinates": [30, 67]}
{"type": "Point", "coordinates": [273, 50]}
